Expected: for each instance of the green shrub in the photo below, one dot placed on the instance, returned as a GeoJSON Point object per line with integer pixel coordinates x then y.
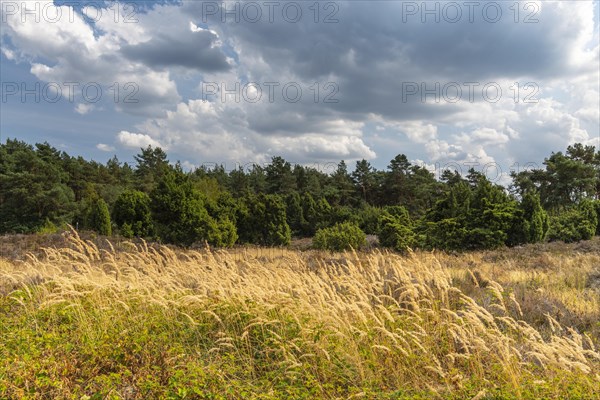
{"type": "Point", "coordinates": [447, 234]}
{"type": "Point", "coordinates": [396, 229]}
{"type": "Point", "coordinates": [341, 214]}
{"type": "Point", "coordinates": [473, 215]}
{"type": "Point", "coordinates": [99, 217]}
{"type": "Point", "coordinates": [126, 230]}
{"type": "Point", "coordinates": [339, 237]}
{"type": "Point", "coordinates": [368, 219]}
{"type": "Point", "coordinates": [262, 220]}
{"type": "Point", "coordinates": [576, 224]}
{"type": "Point", "coordinates": [132, 214]}
{"type": "Point", "coordinates": [597, 208]}
{"type": "Point", "coordinates": [48, 228]}
{"type": "Point", "coordinates": [294, 213]}
{"type": "Point", "coordinates": [223, 234]}
{"type": "Point", "coordinates": [180, 216]}
{"type": "Point", "coordinates": [276, 231]}
{"type": "Point", "coordinates": [530, 221]}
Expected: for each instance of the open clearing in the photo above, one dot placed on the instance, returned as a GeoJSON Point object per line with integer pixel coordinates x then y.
{"type": "Point", "coordinates": [143, 321]}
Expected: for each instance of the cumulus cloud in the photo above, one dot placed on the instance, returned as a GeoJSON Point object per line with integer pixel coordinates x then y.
{"type": "Point", "coordinates": [137, 140]}
{"type": "Point", "coordinates": [216, 132]}
{"type": "Point", "coordinates": [375, 56]}
{"type": "Point", "coordinates": [561, 44]}
{"type": "Point", "coordinates": [71, 49]}
{"type": "Point", "coordinates": [417, 131]}
{"type": "Point", "coordinates": [485, 136]}
{"type": "Point", "coordinates": [194, 48]}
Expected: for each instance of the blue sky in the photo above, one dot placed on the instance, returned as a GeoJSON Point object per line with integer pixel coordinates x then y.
{"type": "Point", "coordinates": [376, 79]}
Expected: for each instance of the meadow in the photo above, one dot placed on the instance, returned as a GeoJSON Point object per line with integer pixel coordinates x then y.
{"type": "Point", "coordinates": [90, 319]}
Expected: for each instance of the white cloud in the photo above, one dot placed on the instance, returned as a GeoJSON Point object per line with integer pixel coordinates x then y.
{"type": "Point", "coordinates": [418, 131]}
{"type": "Point", "coordinates": [67, 50]}
{"type": "Point", "coordinates": [137, 140]}
{"type": "Point", "coordinates": [485, 136]}
{"type": "Point", "coordinates": [9, 54]}
{"type": "Point", "coordinates": [104, 147]}
{"type": "Point", "coordinates": [217, 132]}
{"type": "Point", "coordinates": [84, 108]}
{"type": "Point", "coordinates": [441, 149]}
{"type": "Point", "coordinates": [365, 54]}
{"type": "Point", "coordinates": [551, 117]}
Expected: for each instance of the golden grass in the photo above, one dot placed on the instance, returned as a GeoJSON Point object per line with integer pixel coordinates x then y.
{"type": "Point", "coordinates": [374, 323]}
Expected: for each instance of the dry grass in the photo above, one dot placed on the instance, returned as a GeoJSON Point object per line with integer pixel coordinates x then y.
{"type": "Point", "coordinates": [285, 324]}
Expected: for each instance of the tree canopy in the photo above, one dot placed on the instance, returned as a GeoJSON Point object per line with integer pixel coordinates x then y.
{"type": "Point", "coordinates": [404, 205]}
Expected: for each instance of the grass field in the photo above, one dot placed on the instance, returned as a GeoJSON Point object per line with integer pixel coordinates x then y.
{"type": "Point", "coordinates": [83, 320]}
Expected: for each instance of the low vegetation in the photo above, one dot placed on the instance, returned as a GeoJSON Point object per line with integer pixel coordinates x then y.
{"type": "Point", "coordinates": [86, 320]}
{"type": "Point", "coordinates": [344, 236]}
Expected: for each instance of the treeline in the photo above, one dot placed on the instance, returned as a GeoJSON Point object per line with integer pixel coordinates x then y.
{"type": "Point", "coordinates": [42, 189]}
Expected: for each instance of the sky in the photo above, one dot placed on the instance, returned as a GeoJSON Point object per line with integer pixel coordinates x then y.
{"type": "Point", "coordinates": [496, 86]}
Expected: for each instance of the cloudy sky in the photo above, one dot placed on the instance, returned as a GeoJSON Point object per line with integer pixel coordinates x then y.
{"type": "Point", "coordinates": [447, 83]}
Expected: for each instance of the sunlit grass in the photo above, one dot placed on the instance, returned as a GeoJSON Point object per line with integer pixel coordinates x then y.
{"type": "Point", "coordinates": [153, 322]}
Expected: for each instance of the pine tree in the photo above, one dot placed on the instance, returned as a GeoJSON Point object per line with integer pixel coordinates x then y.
{"type": "Point", "coordinates": [364, 180]}
{"type": "Point", "coordinates": [341, 191]}
{"type": "Point", "coordinates": [152, 165]}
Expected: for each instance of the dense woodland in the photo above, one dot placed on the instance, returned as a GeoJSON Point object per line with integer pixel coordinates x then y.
{"type": "Point", "coordinates": [42, 189]}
